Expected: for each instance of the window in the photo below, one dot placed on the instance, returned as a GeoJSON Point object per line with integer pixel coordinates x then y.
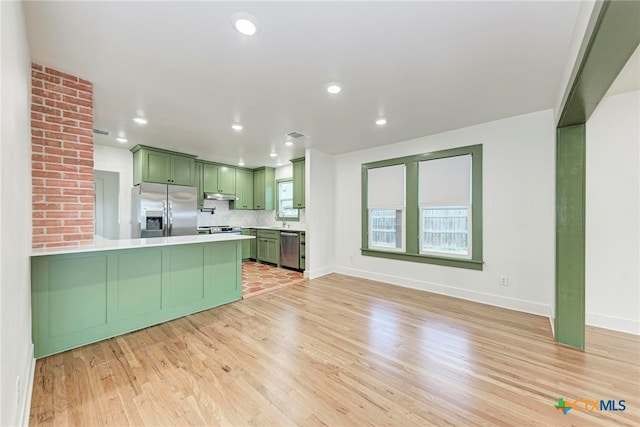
{"type": "Point", "coordinates": [386, 228]}
{"type": "Point", "coordinates": [386, 207]}
{"type": "Point", "coordinates": [284, 201]}
{"type": "Point", "coordinates": [445, 204]}
{"type": "Point", "coordinates": [445, 231]}
{"type": "Point", "coordinates": [425, 208]}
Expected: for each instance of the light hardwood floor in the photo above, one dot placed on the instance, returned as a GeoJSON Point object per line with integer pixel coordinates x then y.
{"type": "Point", "coordinates": [340, 351]}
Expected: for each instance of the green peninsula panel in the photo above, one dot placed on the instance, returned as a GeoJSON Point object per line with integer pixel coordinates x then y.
{"type": "Point", "coordinates": [78, 299]}
{"type": "Point", "coordinates": [139, 282]}
{"type": "Point", "coordinates": [185, 275]}
{"type": "Point", "coordinates": [77, 294]}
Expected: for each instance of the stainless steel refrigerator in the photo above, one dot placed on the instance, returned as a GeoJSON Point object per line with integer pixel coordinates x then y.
{"type": "Point", "coordinates": [160, 210]}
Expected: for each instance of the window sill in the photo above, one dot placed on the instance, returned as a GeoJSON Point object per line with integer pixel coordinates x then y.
{"type": "Point", "coordinates": [470, 264]}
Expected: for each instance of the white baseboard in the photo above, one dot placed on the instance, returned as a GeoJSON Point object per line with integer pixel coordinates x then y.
{"type": "Point", "coordinates": [619, 324]}
{"type": "Point", "coordinates": [484, 298]}
{"type": "Point", "coordinates": [314, 274]}
{"type": "Point", "coordinates": [27, 391]}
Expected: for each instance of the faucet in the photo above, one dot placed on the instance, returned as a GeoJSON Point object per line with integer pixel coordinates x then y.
{"type": "Point", "coordinates": [284, 221]}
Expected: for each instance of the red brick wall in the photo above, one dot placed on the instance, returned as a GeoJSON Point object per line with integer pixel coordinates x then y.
{"type": "Point", "coordinates": [62, 158]}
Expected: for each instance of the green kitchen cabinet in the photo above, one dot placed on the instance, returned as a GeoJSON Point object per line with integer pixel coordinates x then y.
{"type": "Point", "coordinates": [264, 184]}
{"type": "Point", "coordinates": [268, 246]}
{"type": "Point", "coordinates": [218, 179]}
{"type": "Point", "coordinates": [303, 246]}
{"type": "Point", "coordinates": [81, 298]}
{"type": "Point", "coordinates": [198, 184]}
{"type": "Point", "coordinates": [298, 182]}
{"type": "Point", "coordinates": [254, 243]}
{"type": "Point", "coordinates": [246, 244]}
{"type": "Point", "coordinates": [244, 190]}
{"type": "Point", "coordinates": [162, 166]}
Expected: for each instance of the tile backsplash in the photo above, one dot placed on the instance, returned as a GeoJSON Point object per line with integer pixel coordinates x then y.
{"type": "Point", "coordinates": [243, 218]}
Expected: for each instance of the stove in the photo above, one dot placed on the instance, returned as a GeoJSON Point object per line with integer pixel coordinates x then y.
{"type": "Point", "coordinates": [217, 229]}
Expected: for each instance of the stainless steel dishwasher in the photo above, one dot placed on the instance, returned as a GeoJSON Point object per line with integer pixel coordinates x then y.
{"type": "Point", "coordinates": [290, 250]}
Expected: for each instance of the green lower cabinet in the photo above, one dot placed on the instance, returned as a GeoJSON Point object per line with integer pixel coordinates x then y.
{"type": "Point", "coordinates": [246, 244]}
{"type": "Point", "coordinates": [78, 299]}
{"type": "Point", "coordinates": [253, 244]}
{"type": "Point", "coordinates": [303, 249]}
{"type": "Point", "coordinates": [268, 246]}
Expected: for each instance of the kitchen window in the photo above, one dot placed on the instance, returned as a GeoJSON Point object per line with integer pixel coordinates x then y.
{"type": "Point", "coordinates": [425, 208]}
{"type": "Point", "coordinates": [284, 201]}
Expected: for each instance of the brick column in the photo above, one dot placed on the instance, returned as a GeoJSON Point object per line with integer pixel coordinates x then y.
{"type": "Point", "coordinates": [62, 158]}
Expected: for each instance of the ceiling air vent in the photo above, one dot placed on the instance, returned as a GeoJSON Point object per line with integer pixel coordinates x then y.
{"type": "Point", "coordinates": [295, 135]}
{"type": "Point", "coordinates": [101, 132]}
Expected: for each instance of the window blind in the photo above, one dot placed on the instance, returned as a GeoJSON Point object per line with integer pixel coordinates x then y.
{"type": "Point", "coordinates": [445, 182]}
{"type": "Point", "coordinates": [385, 187]}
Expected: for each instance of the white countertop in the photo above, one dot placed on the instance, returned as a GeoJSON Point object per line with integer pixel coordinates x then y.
{"type": "Point", "coordinates": [102, 244]}
{"type": "Point", "coordinates": [262, 227]}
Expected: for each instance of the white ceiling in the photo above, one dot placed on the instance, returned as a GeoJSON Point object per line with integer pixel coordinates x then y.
{"type": "Point", "coordinates": [427, 67]}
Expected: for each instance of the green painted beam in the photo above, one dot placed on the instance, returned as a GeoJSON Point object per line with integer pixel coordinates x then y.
{"type": "Point", "coordinates": [611, 37]}
{"type": "Point", "coordinates": [570, 235]}
{"type": "Point", "coordinates": [613, 34]}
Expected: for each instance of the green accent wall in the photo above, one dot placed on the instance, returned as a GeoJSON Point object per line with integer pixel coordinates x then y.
{"type": "Point", "coordinates": [82, 298]}
{"type": "Point", "coordinates": [570, 235]}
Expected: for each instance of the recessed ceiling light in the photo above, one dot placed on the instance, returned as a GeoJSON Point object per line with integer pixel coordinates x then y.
{"type": "Point", "coordinates": [140, 120]}
{"type": "Point", "coordinates": [334, 88]}
{"type": "Point", "coordinates": [274, 154]}
{"type": "Point", "coordinates": [121, 139]}
{"type": "Point", "coordinates": [236, 126]}
{"type": "Point", "coordinates": [381, 121]}
{"type": "Point", "coordinates": [278, 164]}
{"type": "Point", "coordinates": [289, 143]}
{"type": "Point", "coordinates": [245, 26]}
{"type": "Point", "coordinates": [240, 163]}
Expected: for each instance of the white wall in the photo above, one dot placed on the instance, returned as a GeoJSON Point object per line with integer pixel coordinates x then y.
{"type": "Point", "coordinates": [518, 215]}
{"type": "Point", "coordinates": [613, 214]}
{"type": "Point", "coordinates": [320, 204]}
{"type": "Point", "coordinates": [16, 349]}
{"type": "Point", "coordinates": [120, 160]}
{"type": "Point", "coordinates": [285, 171]}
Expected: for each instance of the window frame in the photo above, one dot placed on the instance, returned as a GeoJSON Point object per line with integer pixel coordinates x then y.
{"type": "Point", "coordinates": [412, 229]}
{"type": "Point", "coordinates": [278, 216]}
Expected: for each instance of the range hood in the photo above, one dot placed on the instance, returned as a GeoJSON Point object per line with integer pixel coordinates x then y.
{"type": "Point", "coordinates": [219, 196]}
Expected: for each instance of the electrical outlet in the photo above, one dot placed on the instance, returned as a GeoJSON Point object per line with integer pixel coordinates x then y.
{"type": "Point", "coordinates": [504, 280]}
{"type": "Point", "coordinates": [18, 392]}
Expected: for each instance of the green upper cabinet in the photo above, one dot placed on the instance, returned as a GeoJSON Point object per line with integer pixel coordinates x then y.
{"type": "Point", "coordinates": [244, 190]}
{"type": "Point", "coordinates": [298, 182]}
{"type": "Point", "coordinates": [198, 183]}
{"type": "Point", "coordinates": [165, 167]}
{"type": "Point", "coordinates": [182, 170]}
{"type": "Point", "coordinates": [218, 179]}
{"type": "Point", "coordinates": [264, 183]}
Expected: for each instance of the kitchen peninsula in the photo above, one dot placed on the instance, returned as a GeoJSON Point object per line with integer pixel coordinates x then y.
{"type": "Point", "coordinates": [89, 293]}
